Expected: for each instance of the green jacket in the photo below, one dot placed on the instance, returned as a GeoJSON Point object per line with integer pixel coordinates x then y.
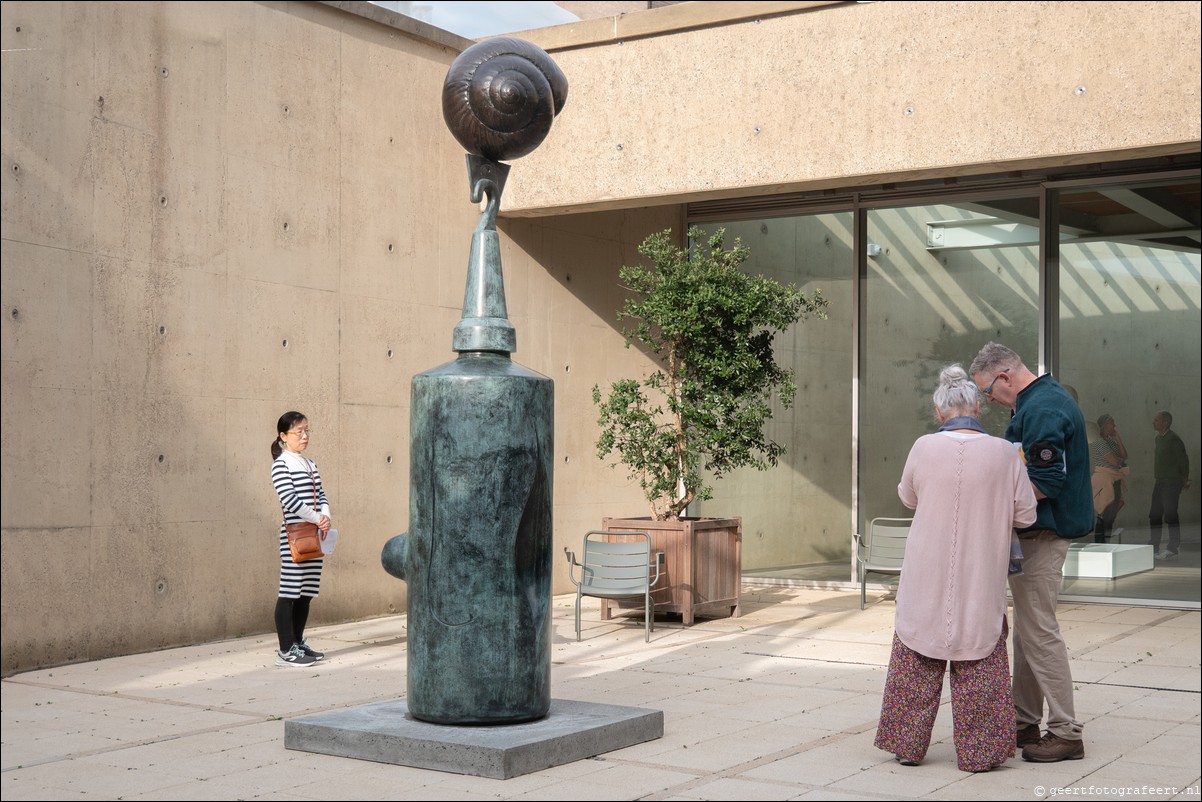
{"type": "Point", "coordinates": [1049, 425]}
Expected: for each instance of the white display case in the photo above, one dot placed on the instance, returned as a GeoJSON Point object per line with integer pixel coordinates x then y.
{"type": "Point", "coordinates": [1107, 560]}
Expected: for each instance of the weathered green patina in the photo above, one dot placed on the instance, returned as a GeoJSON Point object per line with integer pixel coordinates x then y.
{"type": "Point", "coordinates": [477, 556]}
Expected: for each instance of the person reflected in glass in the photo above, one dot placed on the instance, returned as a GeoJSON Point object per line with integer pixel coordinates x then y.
{"type": "Point", "coordinates": [969, 491]}
{"type": "Point", "coordinates": [1108, 458]}
{"type": "Point", "coordinates": [1171, 466]}
{"type": "Point", "coordinates": [302, 498]}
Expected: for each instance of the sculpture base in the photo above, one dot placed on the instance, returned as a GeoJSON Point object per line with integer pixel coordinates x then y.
{"type": "Point", "coordinates": [385, 733]}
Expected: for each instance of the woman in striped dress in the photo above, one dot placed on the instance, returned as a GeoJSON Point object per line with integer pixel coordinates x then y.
{"type": "Point", "coordinates": [302, 498]}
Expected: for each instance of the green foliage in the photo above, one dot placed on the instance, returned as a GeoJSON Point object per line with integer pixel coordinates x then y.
{"type": "Point", "coordinates": [712, 327]}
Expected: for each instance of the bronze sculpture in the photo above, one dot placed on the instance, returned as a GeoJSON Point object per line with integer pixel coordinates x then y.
{"type": "Point", "coordinates": [477, 556]}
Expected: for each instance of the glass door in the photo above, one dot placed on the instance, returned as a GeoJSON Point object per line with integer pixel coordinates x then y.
{"type": "Point", "coordinates": [1129, 341]}
{"type": "Point", "coordinates": [796, 515]}
{"type": "Point", "coordinates": [942, 280]}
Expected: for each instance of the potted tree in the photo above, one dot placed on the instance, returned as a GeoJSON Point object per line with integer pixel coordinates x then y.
{"type": "Point", "coordinates": [703, 412]}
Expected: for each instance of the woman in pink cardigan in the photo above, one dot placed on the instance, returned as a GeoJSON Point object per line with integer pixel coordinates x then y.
{"type": "Point", "coordinates": [968, 491]}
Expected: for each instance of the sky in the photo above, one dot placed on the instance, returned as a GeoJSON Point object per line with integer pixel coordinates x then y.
{"type": "Point", "coordinates": [474, 20]}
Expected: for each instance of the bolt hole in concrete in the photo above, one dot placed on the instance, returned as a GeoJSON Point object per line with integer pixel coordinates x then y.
{"type": "Point", "coordinates": [162, 458]}
{"type": "Point", "coordinates": [162, 329]}
{"type": "Point", "coordinates": [388, 459]}
{"type": "Point", "coordinates": [390, 353]}
{"type": "Point", "coordinates": [284, 344]}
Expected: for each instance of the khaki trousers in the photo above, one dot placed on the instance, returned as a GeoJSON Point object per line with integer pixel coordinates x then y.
{"type": "Point", "coordinates": [1041, 669]}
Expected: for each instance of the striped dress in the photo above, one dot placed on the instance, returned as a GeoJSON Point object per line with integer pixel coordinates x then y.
{"type": "Point", "coordinates": [302, 498]}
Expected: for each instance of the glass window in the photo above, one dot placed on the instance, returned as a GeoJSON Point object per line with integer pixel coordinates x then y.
{"type": "Point", "coordinates": [1129, 344]}
{"type": "Point", "coordinates": [942, 280]}
{"type": "Point", "coordinates": [799, 513]}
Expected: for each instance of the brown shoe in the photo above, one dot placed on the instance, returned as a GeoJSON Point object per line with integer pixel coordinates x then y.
{"type": "Point", "coordinates": [1052, 749]}
{"type": "Point", "coordinates": [1027, 735]}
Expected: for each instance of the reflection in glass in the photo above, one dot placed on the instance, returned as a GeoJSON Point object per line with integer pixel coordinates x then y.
{"type": "Point", "coordinates": [799, 512]}
{"type": "Point", "coordinates": [949, 278]}
{"type": "Point", "coordinates": [1129, 344]}
{"type": "Point", "coordinates": [941, 280]}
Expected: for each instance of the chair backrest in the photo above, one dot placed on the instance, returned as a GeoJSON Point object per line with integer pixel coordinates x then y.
{"type": "Point", "coordinates": [615, 563]}
{"type": "Point", "coordinates": [886, 546]}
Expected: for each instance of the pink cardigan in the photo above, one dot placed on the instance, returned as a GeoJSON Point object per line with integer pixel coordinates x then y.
{"type": "Point", "coordinates": [968, 492]}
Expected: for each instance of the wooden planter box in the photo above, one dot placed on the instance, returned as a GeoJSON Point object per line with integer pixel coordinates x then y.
{"type": "Point", "coordinates": [701, 572]}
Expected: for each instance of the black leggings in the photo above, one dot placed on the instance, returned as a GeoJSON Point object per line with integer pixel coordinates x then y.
{"type": "Point", "coordinates": [290, 618]}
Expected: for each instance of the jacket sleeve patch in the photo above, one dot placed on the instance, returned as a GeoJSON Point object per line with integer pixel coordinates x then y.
{"type": "Point", "coordinates": [1043, 455]}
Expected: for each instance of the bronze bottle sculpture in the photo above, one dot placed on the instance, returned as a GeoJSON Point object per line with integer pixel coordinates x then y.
{"type": "Point", "coordinates": [477, 556]}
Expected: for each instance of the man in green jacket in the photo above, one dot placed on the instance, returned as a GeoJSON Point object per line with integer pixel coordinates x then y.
{"type": "Point", "coordinates": [1050, 429]}
{"type": "Point", "coordinates": [1171, 465]}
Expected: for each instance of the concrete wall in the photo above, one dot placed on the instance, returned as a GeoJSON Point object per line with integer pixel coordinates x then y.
{"type": "Point", "coordinates": [753, 97]}
{"type": "Point", "coordinates": [214, 213]}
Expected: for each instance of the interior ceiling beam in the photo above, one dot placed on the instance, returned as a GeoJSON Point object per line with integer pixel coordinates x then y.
{"type": "Point", "coordinates": [1161, 208]}
{"type": "Point", "coordinates": [1019, 210]}
{"type": "Point", "coordinates": [967, 235]}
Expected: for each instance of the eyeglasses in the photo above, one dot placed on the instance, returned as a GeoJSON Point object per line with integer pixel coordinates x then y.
{"type": "Point", "coordinates": [988, 391]}
{"type": "Point", "coordinates": [299, 432]}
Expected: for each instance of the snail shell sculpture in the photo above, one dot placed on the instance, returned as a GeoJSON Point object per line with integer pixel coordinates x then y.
{"type": "Point", "coordinates": [500, 97]}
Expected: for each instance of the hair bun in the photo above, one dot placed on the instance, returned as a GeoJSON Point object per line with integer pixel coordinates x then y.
{"type": "Point", "coordinates": [952, 374]}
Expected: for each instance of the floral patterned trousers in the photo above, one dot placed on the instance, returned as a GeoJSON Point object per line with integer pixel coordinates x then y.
{"type": "Point", "coordinates": [982, 706]}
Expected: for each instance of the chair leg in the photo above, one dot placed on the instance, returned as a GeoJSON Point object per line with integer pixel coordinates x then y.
{"type": "Point", "coordinates": [863, 580]}
{"type": "Point", "coordinates": [577, 614]}
{"type": "Point", "coordinates": [647, 618]}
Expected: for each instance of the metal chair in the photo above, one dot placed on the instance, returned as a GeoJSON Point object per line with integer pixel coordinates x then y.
{"type": "Point", "coordinates": [616, 565]}
{"type": "Point", "coordinates": [882, 550]}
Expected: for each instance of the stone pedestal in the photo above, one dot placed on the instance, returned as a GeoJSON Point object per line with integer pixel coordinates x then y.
{"type": "Point", "coordinates": [384, 732]}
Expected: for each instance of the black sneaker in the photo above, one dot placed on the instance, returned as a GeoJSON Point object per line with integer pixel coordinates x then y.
{"type": "Point", "coordinates": [294, 657]}
{"type": "Point", "coordinates": [311, 652]}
